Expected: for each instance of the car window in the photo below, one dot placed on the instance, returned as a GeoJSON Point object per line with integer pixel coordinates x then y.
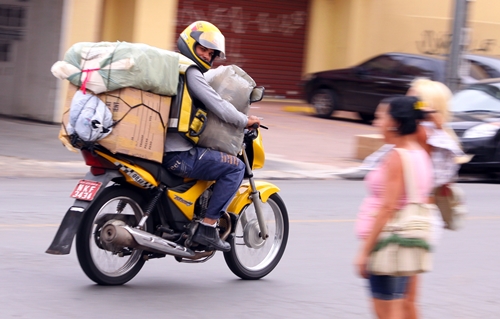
{"type": "Point", "coordinates": [415, 67]}
{"type": "Point", "coordinates": [476, 99]}
{"type": "Point", "coordinates": [381, 66]}
{"type": "Point", "coordinates": [481, 71]}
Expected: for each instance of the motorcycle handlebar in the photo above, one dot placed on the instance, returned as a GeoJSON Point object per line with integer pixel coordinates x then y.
{"type": "Point", "coordinates": [256, 126]}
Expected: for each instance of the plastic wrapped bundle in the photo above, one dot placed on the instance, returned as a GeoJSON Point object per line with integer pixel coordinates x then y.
{"type": "Point", "coordinates": [89, 117]}
{"type": "Point", "coordinates": [235, 86]}
{"type": "Point", "coordinates": [108, 66]}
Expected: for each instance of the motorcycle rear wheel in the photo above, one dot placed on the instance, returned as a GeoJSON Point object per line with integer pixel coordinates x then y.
{"type": "Point", "coordinates": [100, 265]}
{"type": "Point", "coordinates": [250, 257]}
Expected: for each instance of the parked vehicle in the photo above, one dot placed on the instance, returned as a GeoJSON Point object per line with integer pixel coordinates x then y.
{"type": "Point", "coordinates": [486, 67]}
{"type": "Point", "coordinates": [360, 88]}
{"type": "Point", "coordinates": [128, 210]}
{"type": "Point", "coordinates": [476, 121]}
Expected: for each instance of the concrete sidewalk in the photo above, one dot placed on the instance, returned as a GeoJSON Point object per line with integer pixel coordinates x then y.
{"type": "Point", "coordinates": [32, 149]}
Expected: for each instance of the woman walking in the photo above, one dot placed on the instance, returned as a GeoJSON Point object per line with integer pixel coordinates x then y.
{"type": "Point", "coordinates": [397, 120]}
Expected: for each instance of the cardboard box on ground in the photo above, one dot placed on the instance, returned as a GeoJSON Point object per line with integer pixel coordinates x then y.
{"type": "Point", "coordinates": [142, 122]}
{"type": "Point", "coordinates": [367, 144]}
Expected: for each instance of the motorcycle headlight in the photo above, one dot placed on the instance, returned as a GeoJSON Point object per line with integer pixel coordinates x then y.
{"type": "Point", "coordinates": [481, 130]}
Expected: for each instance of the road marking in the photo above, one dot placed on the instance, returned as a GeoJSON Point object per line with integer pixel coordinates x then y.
{"type": "Point", "coordinates": [299, 109]}
{"type": "Point", "coordinates": [323, 221]}
{"type": "Point", "coordinates": [291, 221]}
{"type": "Point", "coordinates": [28, 225]}
{"type": "Point", "coordinates": [353, 220]}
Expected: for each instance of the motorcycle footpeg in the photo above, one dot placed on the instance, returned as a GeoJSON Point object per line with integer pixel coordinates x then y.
{"type": "Point", "coordinates": [165, 230]}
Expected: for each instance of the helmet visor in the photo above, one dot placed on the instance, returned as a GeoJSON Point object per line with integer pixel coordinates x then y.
{"type": "Point", "coordinates": [213, 40]}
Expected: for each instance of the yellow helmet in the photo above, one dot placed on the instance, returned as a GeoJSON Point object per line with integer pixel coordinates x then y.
{"type": "Point", "coordinates": [205, 34]}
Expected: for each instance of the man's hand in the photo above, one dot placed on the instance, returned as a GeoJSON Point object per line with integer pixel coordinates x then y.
{"type": "Point", "coordinates": [252, 119]}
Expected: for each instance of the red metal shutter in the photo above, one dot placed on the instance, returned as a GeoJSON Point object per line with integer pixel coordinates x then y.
{"type": "Point", "coordinates": [264, 38]}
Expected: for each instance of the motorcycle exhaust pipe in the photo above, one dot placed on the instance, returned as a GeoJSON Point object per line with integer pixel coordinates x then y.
{"type": "Point", "coordinates": [116, 234]}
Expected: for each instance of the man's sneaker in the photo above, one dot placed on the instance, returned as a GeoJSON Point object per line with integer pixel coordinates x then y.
{"type": "Point", "coordinates": [209, 236]}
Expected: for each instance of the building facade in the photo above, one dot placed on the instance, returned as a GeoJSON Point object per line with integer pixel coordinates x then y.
{"type": "Point", "coordinates": [276, 41]}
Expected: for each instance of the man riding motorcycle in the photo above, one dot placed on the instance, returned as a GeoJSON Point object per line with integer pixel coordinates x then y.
{"type": "Point", "coordinates": [202, 42]}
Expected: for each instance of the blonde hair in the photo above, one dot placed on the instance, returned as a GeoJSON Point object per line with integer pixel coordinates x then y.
{"type": "Point", "coordinates": [434, 94]}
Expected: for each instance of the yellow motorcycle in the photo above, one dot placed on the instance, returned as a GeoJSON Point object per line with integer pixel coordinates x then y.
{"type": "Point", "coordinates": [128, 210]}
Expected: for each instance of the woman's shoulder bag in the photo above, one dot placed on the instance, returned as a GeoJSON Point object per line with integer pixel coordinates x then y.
{"type": "Point", "coordinates": [403, 247]}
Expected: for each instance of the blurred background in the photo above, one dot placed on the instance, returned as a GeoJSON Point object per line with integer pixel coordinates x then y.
{"type": "Point", "coordinates": [278, 42]}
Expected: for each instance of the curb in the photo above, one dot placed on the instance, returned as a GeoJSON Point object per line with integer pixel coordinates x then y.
{"type": "Point", "coordinates": [295, 175]}
{"type": "Point", "coordinates": [14, 167]}
{"type": "Point", "coordinates": [22, 167]}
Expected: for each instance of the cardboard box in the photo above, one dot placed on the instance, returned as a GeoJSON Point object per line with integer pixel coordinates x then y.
{"type": "Point", "coordinates": [368, 144]}
{"type": "Point", "coordinates": [141, 122]}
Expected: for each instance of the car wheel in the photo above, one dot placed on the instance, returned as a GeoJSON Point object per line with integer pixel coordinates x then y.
{"type": "Point", "coordinates": [323, 102]}
{"type": "Point", "coordinates": [367, 117]}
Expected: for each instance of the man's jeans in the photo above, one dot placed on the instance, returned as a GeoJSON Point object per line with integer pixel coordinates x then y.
{"type": "Point", "coordinates": [206, 164]}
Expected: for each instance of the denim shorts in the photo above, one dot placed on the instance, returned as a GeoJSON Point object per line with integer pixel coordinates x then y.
{"type": "Point", "coordinates": [388, 287]}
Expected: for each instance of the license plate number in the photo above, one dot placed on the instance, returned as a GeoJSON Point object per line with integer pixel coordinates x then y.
{"type": "Point", "coordinates": [86, 190]}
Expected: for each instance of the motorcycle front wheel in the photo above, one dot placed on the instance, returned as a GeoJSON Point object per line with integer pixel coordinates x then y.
{"type": "Point", "coordinates": [252, 257]}
{"type": "Point", "coordinates": [102, 266]}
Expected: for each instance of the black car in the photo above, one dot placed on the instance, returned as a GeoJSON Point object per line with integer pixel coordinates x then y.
{"type": "Point", "coordinates": [360, 88]}
{"type": "Point", "coordinates": [476, 121]}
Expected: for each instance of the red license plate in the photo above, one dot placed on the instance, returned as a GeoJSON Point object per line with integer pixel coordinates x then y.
{"type": "Point", "coordinates": [86, 190]}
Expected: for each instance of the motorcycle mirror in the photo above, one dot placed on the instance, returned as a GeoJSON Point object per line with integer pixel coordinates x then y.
{"type": "Point", "coordinates": [257, 94]}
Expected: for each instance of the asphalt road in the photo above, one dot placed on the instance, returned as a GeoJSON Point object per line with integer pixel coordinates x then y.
{"type": "Point", "coordinates": [315, 278]}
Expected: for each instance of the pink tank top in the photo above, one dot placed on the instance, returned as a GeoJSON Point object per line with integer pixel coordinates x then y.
{"type": "Point", "coordinates": [374, 181]}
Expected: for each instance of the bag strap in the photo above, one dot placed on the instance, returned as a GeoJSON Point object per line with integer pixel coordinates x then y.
{"type": "Point", "coordinates": [409, 177]}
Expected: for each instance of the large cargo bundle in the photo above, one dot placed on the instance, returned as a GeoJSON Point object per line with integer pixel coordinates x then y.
{"type": "Point", "coordinates": [136, 83]}
{"type": "Point", "coordinates": [108, 66]}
